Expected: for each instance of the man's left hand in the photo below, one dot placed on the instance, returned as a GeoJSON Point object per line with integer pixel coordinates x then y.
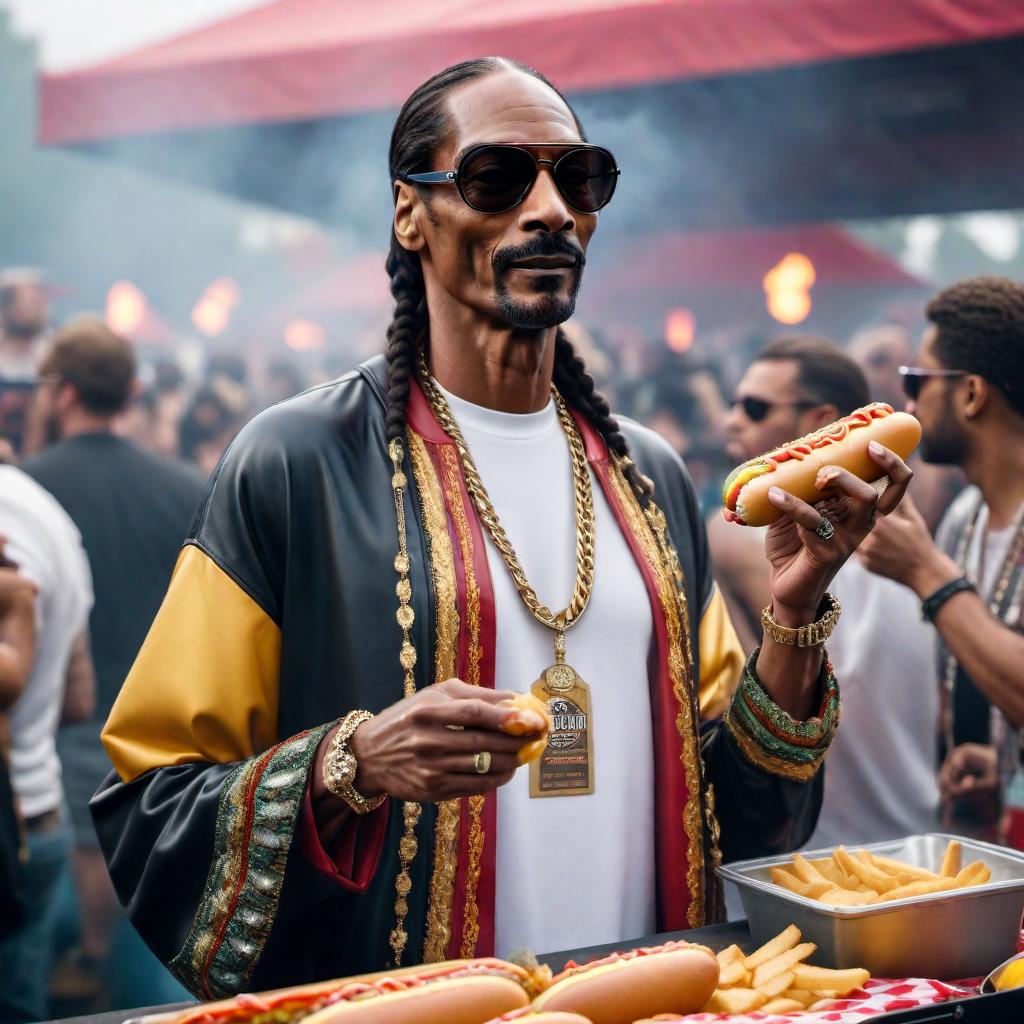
{"type": "Point", "coordinates": [803, 563]}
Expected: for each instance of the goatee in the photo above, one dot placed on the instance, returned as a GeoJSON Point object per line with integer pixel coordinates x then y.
{"type": "Point", "coordinates": [550, 308]}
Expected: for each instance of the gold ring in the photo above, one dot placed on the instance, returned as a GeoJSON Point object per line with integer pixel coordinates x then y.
{"type": "Point", "coordinates": [482, 762]}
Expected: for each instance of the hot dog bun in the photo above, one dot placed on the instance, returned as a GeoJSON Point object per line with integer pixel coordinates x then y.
{"type": "Point", "coordinates": [373, 991]}
{"type": "Point", "coordinates": [528, 1016]}
{"type": "Point", "coordinates": [794, 467]}
{"type": "Point", "coordinates": [466, 1000]}
{"type": "Point", "coordinates": [526, 715]}
{"type": "Point", "coordinates": [678, 979]}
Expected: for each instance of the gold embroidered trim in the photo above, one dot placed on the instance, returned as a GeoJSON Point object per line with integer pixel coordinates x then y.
{"type": "Point", "coordinates": [451, 481]}
{"type": "Point", "coordinates": [760, 758]}
{"type": "Point", "coordinates": [471, 922]}
{"type": "Point", "coordinates": [446, 635]}
{"type": "Point", "coordinates": [232, 813]}
{"type": "Point", "coordinates": [442, 559]}
{"type": "Point", "coordinates": [649, 529]}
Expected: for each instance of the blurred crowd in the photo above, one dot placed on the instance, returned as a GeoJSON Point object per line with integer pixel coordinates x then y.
{"type": "Point", "coordinates": [103, 458]}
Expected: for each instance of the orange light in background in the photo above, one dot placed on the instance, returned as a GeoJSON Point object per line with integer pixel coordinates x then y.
{"type": "Point", "coordinates": [304, 335]}
{"type": "Point", "coordinates": [210, 317]}
{"type": "Point", "coordinates": [789, 307]}
{"type": "Point", "coordinates": [680, 328]}
{"type": "Point", "coordinates": [787, 288]}
{"type": "Point", "coordinates": [224, 290]}
{"type": "Point", "coordinates": [126, 307]}
{"type": "Point", "coordinates": [212, 313]}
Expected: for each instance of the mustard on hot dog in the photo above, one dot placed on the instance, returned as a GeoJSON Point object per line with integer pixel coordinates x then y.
{"type": "Point", "coordinates": [794, 467]}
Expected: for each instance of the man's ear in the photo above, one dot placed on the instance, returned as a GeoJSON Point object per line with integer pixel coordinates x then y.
{"type": "Point", "coordinates": [978, 393]}
{"type": "Point", "coordinates": [67, 397]}
{"type": "Point", "coordinates": [408, 210]}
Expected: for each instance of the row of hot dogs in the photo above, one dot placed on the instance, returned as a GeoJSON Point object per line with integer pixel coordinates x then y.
{"type": "Point", "coordinates": [674, 978]}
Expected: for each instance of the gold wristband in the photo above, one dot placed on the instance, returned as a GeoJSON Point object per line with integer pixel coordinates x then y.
{"type": "Point", "coordinates": [340, 766]}
{"type": "Point", "coordinates": [814, 634]}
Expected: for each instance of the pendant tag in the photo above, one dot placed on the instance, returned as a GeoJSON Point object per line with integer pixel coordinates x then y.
{"type": "Point", "coordinates": [566, 768]}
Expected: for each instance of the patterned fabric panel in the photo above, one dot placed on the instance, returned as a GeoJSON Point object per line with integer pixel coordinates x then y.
{"type": "Point", "coordinates": [256, 822]}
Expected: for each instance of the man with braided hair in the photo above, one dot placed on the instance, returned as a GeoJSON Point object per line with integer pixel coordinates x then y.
{"type": "Point", "coordinates": [305, 789]}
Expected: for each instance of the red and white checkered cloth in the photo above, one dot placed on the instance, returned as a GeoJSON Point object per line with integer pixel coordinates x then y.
{"type": "Point", "coordinates": [878, 996]}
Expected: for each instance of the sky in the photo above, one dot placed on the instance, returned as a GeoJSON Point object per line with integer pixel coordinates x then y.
{"type": "Point", "coordinates": [72, 33]}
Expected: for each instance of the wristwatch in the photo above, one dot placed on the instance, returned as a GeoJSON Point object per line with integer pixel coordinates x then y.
{"type": "Point", "coordinates": [340, 766]}
{"type": "Point", "coordinates": [814, 634]}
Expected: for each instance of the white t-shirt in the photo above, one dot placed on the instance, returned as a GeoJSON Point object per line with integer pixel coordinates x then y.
{"type": "Point", "coordinates": [880, 772]}
{"type": "Point", "coordinates": [45, 543]}
{"type": "Point", "coordinates": [571, 871]}
{"type": "Point", "coordinates": [996, 548]}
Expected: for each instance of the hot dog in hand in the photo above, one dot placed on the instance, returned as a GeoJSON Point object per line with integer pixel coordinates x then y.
{"type": "Point", "coordinates": [794, 467]}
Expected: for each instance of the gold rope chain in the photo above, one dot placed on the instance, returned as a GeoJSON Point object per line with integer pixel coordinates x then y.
{"type": "Point", "coordinates": [408, 846]}
{"type": "Point", "coordinates": [584, 503]}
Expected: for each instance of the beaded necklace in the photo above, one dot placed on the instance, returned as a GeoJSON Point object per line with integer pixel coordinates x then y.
{"type": "Point", "coordinates": [1004, 600]}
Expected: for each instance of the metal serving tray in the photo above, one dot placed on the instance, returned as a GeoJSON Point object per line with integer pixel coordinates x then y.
{"type": "Point", "coordinates": [957, 934]}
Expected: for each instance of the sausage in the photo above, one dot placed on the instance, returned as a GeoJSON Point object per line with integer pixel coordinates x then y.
{"type": "Point", "coordinates": [675, 978]}
{"type": "Point", "coordinates": [794, 467]}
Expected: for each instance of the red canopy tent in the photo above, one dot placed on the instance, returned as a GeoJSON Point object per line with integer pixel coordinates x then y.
{"type": "Point", "coordinates": [722, 112]}
{"type": "Point", "coordinates": [302, 59]}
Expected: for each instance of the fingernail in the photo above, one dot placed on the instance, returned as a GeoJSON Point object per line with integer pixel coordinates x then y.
{"type": "Point", "coordinates": [825, 476]}
{"type": "Point", "coordinates": [875, 448]}
{"type": "Point", "coordinates": [776, 494]}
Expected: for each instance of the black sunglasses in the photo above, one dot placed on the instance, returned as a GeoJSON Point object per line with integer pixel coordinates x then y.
{"type": "Point", "coordinates": [757, 408]}
{"type": "Point", "coordinates": [914, 378]}
{"type": "Point", "coordinates": [495, 178]}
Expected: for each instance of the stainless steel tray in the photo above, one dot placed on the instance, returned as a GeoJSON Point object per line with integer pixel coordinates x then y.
{"type": "Point", "coordinates": [962, 933]}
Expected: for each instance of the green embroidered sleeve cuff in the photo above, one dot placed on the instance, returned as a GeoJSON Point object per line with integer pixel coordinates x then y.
{"type": "Point", "coordinates": [256, 823]}
{"type": "Point", "coordinates": [771, 739]}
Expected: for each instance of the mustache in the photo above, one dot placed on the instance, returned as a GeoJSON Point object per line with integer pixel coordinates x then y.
{"type": "Point", "coordinates": [541, 245]}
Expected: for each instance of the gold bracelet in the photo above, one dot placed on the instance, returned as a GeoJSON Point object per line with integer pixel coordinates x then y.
{"type": "Point", "coordinates": [813, 634]}
{"type": "Point", "coordinates": [340, 766]}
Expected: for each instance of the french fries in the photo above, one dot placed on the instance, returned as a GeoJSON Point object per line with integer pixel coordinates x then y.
{"type": "Point", "coordinates": [951, 860]}
{"type": "Point", "coordinates": [776, 979]}
{"type": "Point", "coordinates": [780, 944]}
{"type": "Point", "coordinates": [782, 963]}
{"type": "Point", "coordinates": [824, 979]}
{"type": "Point", "coordinates": [863, 878]}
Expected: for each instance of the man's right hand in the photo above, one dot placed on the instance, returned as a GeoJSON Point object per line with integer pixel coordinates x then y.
{"type": "Point", "coordinates": [410, 752]}
{"type": "Point", "coordinates": [970, 777]}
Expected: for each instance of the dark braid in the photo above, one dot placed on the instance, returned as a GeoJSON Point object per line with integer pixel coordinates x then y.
{"type": "Point", "coordinates": [578, 389]}
{"type": "Point", "coordinates": [421, 127]}
{"type": "Point", "coordinates": [406, 332]}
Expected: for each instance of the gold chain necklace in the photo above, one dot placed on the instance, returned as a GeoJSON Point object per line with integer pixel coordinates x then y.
{"type": "Point", "coordinates": [566, 768]}
{"type": "Point", "coordinates": [584, 503]}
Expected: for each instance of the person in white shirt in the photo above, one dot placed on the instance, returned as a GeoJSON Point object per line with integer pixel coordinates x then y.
{"type": "Point", "coordinates": [880, 775]}
{"type": "Point", "coordinates": [45, 671]}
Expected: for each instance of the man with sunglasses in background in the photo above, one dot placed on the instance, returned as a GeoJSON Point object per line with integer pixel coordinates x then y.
{"type": "Point", "coordinates": [967, 389]}
{"type": "Point", "coordinates": [880, 772]}
{"type": "Point", "coordinates": [313, 773]}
